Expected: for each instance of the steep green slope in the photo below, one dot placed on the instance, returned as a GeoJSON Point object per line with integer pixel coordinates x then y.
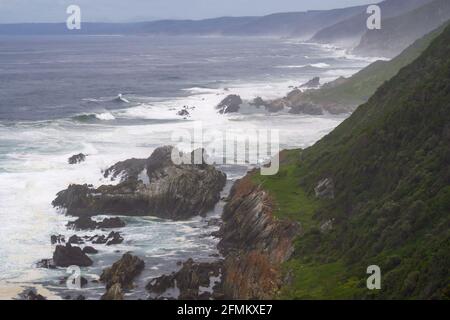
{"type": "Point", "coordinates": [399, 32]}
{"type": "Point", "coordinates": [389, 167]}
{"type": "Point", "coordinates": [346, 94]}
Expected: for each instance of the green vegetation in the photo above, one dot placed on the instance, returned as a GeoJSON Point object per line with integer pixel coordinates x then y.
{"type": "Point", "coordinates": [362, 85]}
{"type": "Point", "coordinates": [390, 163]}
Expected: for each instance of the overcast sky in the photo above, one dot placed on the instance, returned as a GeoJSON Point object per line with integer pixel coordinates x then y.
{"type": "Point", "coordinates": [141, 10]}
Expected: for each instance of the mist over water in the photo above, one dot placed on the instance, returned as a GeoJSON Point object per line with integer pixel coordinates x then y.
{"type": "Point", "coordinates": [58, 97]}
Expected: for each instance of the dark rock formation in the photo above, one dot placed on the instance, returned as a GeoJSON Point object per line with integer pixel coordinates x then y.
{"type": "Point", "coordinates": [313, 83]}
{"type": "Point", "coordinates": [57, 239]}
{"type": "Point", "coordinates": [114, 238]}
{"type": "Point", "coordinates": [90, 250]}
{"type": "Point", "coordinates": [258, 102]}
{"type": "Point", "coordinates": [77, 158]}
{"type": "Point", "coordinates": [230, 104]}
{"type": "Point", "coordinates": [194, 281]}
{"type": "Point", "coordinates": [122, 272]}
{"type": "Point", "coordinates": [75, 240]}
{"type": "Point", "coordinates": [31, 294]}
{"type": "Point", "coordinates": [113, 293]}
{"type": "Point", "coordinates": [86, 223]}
{"type": "Point", "coordinates": [65, 256]}
{"type": "Point", "coordinates": [111, 223]}
{"type": "Point", "coordinates": [173, 192]}
{"type": "Point", "coordinates": [46, 264]}
{"type": "Point", "coordinates": [125, 170]}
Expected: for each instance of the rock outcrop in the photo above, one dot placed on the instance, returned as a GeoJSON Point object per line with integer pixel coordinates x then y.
{"type": "Point", "coordinates": [172, 191]}
{"type": "Point", "coordinates": [65, 256]}
{"type": "Point", "coordinates": [230, 104]}
{"type": "Point", "coordinates": [122, 272]}
{"type": "Point", "coordinates": [254, 243]}
{"type": "Point", "coordinates": [86, 223]}
{"type": "Point", "coordinates": [77, 158]}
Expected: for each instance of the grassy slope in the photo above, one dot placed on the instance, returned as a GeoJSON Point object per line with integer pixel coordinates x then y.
{"type": "Point", "coordinates": [362, 85]}
{"type": "Point", "coordinates": [390, 163]}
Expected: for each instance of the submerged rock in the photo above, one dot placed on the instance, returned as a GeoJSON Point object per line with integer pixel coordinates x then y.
{"type": "Point", "coordinates": [65, 256]}
{"type": "Point", "coordinates": [123, 272]}
{"type": "Point", "coordinates": [172, 192]}
{"type": "Point", "coordinates": [77, 158]}
{"type": "Point", "coordinates": [230, 104]}
{"type": "Point", "coordinates": [75, 240]}
{"type": "Point", "coordinates": [114, 238]}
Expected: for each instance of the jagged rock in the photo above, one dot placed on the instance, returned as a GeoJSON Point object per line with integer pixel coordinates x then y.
{"type": "Point", "coordinates": [325, 189]}
{"type": "Point", "coordinates": [125, 170]}
{"type": "Point", "coordinates": [313, 83]}
{"type": "Point", "coordinates": [114, 238]}
{"type": "Point", "coordinates": [86, 223]}
{"type": "Point", "coordinates": [113, 293]}
{"type": "Point", "coordinates": [65, 256]}
{"type": "Point", "coordinates": [123, 272]}
{"type": "Point", "coordinates": [99, 239]}
{"type": "Point", "coordinates": [75, 240]}
{"type": "Point", "coordinates": [57, 239]}
{"type": "Point", "coordinates": [31, 294]}
{"type": "Point", "coordinates": [173, 191]}
{"type": "Point", "coordinates": [90, 250]}
{"type": "Point", "coordinates": [230, 104]}
{"type": "Point", "coordinates": [194, 281]}
{"type": "Point", "coordinates": [77, 158]}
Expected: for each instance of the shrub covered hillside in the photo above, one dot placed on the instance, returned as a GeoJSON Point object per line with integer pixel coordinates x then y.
{"type": "Point", "coordinates": [386, 200]}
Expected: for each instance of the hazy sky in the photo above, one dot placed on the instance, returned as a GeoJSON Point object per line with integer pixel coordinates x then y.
{"type": "Point", "coordinates": [139, 10]}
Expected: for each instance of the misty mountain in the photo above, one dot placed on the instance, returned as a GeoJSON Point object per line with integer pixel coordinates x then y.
{"type": "Point", "coordinates": [348, 32]}
{"type": "Point", "coordinates": [298, 24]}
{"type": "Point", "coordinates": [399, 32]}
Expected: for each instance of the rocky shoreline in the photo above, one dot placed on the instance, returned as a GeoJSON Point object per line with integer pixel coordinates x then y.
{"type": "Point", "coordinates": [252, 243]}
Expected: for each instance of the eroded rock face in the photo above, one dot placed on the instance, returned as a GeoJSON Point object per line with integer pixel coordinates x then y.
{"type": "Point", "coordinates": [254, 243]}
{"type": "Point", "coordinates": [230, 104]}
{"type": "Point", "coordinates": [123, 272]}
{"type": "Point", "coordinates": [126, 170]}
{"type": "Point", "coordinates": [172, 192]}
{"type": "Point", "coordinates": [65, 256]}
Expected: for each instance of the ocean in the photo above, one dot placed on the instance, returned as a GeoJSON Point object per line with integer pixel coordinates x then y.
{"type": "Point", "coordinates": [58, 97]}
